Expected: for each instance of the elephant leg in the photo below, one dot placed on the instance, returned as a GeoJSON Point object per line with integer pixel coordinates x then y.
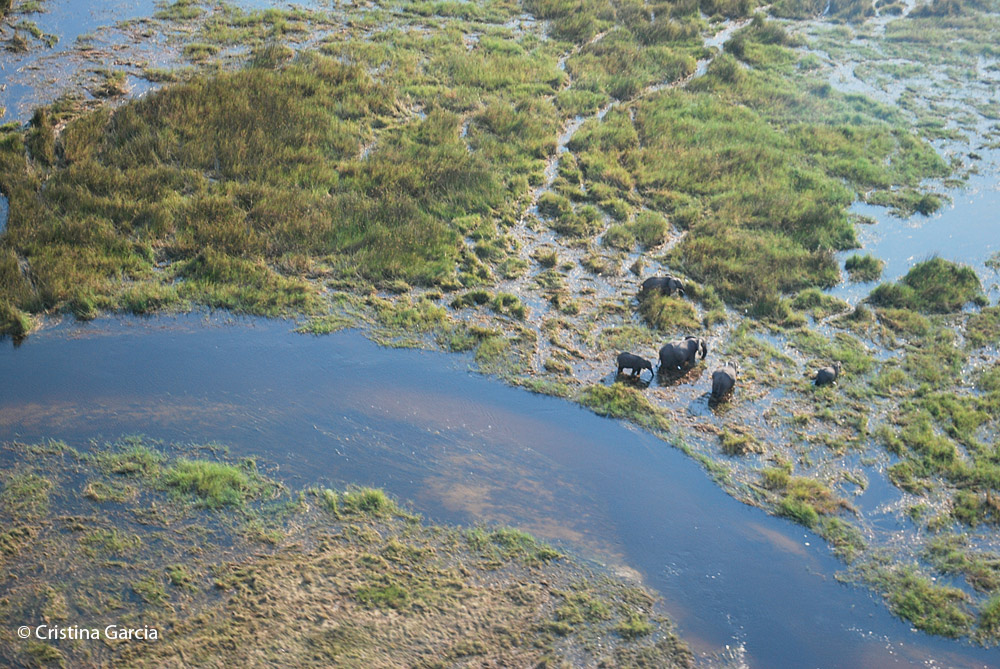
{"type": "Point", "coordinates": [620, 370]}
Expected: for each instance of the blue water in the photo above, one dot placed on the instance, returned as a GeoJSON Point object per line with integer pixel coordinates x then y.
{"type": "Point", "coordinates": [465, 449]}
{"type": "Point", "coordinates": [966, 230]}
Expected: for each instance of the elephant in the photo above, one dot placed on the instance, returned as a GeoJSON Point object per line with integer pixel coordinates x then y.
{"type": "Point", "coordinates": [634, 362]}
{"type": "Point", "coordinates": [668, 285]}
{"type": "Point", "coordinates": [724, 379]}
{"type": "Point", "coordinates": [828, 375]}
{"type": "Point", "coordinates": [681, 354]}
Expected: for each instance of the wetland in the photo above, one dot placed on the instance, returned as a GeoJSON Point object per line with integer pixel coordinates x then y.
{"type": "Point", "coordinates": [492, 180]}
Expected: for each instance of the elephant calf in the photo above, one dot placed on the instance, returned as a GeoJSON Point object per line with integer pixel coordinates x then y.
{"type": "Point", "coordinates": [828, 375]}
{"type": "Point", "coordinates": [724, 380]}
{"type": "Point", "coordinates": [682, 354]}
{"type": "Point", "coordinates": [668, 285]}
{"type": "Point", "coordinates": [634, 362]}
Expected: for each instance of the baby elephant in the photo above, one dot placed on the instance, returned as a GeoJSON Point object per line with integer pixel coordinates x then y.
{"type": "Point", "coordinates": [828, 375]}
{"type": "Point", "coordinates": [668, 285]}
{"type": "Point", "coordinates": [633, 362]}
{"type": "Point", "coordinates": [724, 379]}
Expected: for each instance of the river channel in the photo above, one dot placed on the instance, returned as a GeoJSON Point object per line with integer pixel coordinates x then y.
{"type": "Point", "coordinates": [463, 448]}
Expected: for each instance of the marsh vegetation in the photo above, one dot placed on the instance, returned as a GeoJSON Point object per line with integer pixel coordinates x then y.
{"type": "Point", "coordinates": [227, 563]}
{"type": "Point", "coordinates": [469, 177]}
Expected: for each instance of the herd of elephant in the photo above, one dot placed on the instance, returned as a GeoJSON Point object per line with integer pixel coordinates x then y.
{"type": "Point", "coordinates": [681, 355]}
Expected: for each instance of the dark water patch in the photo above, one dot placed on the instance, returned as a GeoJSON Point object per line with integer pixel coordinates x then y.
{"type": "Point", "coordinates": [464, 449]}
{"type": "Point", "coordinates": [4, 210]}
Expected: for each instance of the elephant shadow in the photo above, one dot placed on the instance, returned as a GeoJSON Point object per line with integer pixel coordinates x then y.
{"type": "Point", "coordinates": [720, 406]}
{"type": "Point", "coordinates": [676, 377]}
{"type": "Point", "coordinates": [632, 381]}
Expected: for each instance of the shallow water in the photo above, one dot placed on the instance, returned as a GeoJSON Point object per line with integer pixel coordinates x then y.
{"type": "Point", "coordinates": [36, 78]}
{"type": "Point", "coordinates": [966, 230]}
{"type": "Point", "coordinates": [27, 79]}
{"type": "Point", "coordinates": [339, 409]}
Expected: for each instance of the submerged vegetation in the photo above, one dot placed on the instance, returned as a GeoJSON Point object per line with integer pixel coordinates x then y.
{"type": "Point", "coordinates": [330, 574]}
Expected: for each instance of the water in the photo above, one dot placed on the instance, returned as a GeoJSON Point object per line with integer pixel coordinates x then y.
{"type": "Point", "coordinates": [464, 448]}
{"type": "Point", "coordinates": [4, 209]}
{"type": "Point", "coordinates": [26, 75]}
{"type": "Point", "coordinates": [39, 76]}
{"type": "Point", "coordinates": [967, 230]}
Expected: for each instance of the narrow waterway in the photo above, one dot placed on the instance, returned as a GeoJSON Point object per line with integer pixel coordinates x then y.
{"type": "Point", "coordinates": [463, 448]}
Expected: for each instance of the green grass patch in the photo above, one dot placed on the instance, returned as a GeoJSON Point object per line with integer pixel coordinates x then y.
{"type": "Point", "coordinates": [129, 457]}
{"type": "Point", "coordinates": [669, 314]}
{"type": "Point", "coordinates": [864, 267]}
{"type": "Point", "coordinates": [818, 304]}
{"type": "Point", "coordinates": [109, 542]}
{"type": "Point", "coordinates": [633, 626]}
{"type": "Point", "coordinates": [112, 491]}
{"type": "Point", "coordinates": [932, 286]}
{"type": "Point", "coordinates": [620, 401]}
{"type": "Point", "coordinates": [25, 494]}
{"type": "Point", "coordinates": [505, 544]}
{"type": "Point", "coordinates": [217, 484]}
{"type": "Point", "coordinates": [983, 328]}
{"type": "Point", "coordinates": [933, 608]}
{"type": "Point", "coordinates": [739, 443]}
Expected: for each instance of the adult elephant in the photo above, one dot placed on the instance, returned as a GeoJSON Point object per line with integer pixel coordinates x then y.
{"type": "Point", "coordinates": [668, 285]}
{"type": "Point", "coordinates": [682, 354]}
{"type": "Point", "coordinates": [828, 375]}
{"type": "Point", "coordinates": [724, 380]}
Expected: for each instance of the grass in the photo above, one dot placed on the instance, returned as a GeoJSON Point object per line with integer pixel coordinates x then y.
{"type": "Point", "coordinates": [739, 443]}
{"type": "Point", "coordinates": [170, 179]}
{"type": "Point", "coordinates": [101, 491]}
{"type": "Point", "coordinates": [905, 322]}
{"type": "Point", "coordinates": [649, 229]}
{"type": "Point", "coordinates": [216, 484]}
{"type": "Point", "coordinates": [620, 401]}
{"type": "Point", "coordinates": [933, 608]}
{"type": "Point", "coordinates": [367, 501]}
{"type": "Point", "coordinates": [763, 159]}
{"type": "Point", "coordinates": [932, 286]}
{"type": "Point", "coordinates": [818, 304]}
{"type": "Point", "coordinates": [803, 500]}
{"type": "Point", "coordinates": [951, 554]}
{"type": "Point", "coordinates": [504, 544]}
{"type": "Point", "coordinates": [634, 626]}
{"type": "Point", "coordinates": [348, 570]}
{"type": "Point", "coordinates": [109, 542]}
{"type": "Point", "coordinates": [864, 267]}
{"type": "Point", "coordinates": [509, 305]}
{"type": "Point", "coordinates": [983, 328]}
{"type": "Point", "coordinates": [846, 539]}
{"type": "Point", "coordinates": [151, 590]}
{"type": "Point", "coordinates": [669, 314]}
{"type": "Point", "coordinates": [25, 495]}
{"type": "Point", "coordinates": [130, 457]}
{"type": "Point", "coordinates": [112, 84]}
